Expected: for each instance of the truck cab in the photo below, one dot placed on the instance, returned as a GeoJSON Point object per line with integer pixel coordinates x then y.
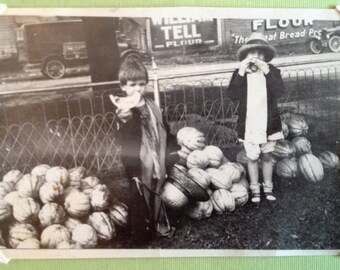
{"type": "Point", "coordinates": [53, 47]}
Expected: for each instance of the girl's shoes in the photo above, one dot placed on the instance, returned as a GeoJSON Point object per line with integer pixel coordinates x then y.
{"type": "Point", "coordinates": [255, 193]}
{"type": "Point", "coordinates": [270, 196]}
{"type": "Point", "coordinates": [255, 197]}
{"type": "Point", "coordinates": [268, 192]}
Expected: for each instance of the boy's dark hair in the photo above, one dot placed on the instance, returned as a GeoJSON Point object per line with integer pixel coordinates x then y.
{"type": "Point", "coordinates": [132, 70]}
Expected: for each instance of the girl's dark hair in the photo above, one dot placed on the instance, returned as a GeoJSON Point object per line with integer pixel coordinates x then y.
{"type": "Point", "coordinates": [132, 70]}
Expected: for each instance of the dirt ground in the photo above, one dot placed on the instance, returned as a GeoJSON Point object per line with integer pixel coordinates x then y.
{"type": "Point", "coordinates": [305, 216]}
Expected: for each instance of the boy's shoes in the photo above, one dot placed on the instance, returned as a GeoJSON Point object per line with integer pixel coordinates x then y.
{"type": "Point", "coordinates": [168, 234]}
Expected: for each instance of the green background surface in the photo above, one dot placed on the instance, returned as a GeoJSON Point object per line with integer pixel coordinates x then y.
{"type": "Point", "coordinates": [230, 263]}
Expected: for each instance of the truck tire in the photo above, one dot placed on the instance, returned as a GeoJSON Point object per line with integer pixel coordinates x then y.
{"type": "Point", "coordinates": [54, 68]}
{"type": "Point", "coordinates": [315, 46]}
{"type": "Point", "coordinates": [334, 44]}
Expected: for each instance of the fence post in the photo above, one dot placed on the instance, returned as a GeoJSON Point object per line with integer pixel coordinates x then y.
{"type": "Point", "coordinates": [155, 83]}
{"type": "Point", "coordinates": [67, 99]}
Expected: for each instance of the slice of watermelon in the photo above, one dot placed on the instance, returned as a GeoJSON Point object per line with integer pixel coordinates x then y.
{"type": "Point", "coordinates": [126, 103]}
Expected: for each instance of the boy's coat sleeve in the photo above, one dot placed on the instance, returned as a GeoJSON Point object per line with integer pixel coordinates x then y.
{"type": "Point", "coordinates": [128, 137]}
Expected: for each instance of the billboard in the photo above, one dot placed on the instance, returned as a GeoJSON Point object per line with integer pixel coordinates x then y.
{"type": "Point", "coordinates": [171, 33]}
{"type": "Point", "coordinates": [278, 32]}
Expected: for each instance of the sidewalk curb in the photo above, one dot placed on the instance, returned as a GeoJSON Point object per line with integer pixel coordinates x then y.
{"type": "Point", "coordinates": [235, 65]}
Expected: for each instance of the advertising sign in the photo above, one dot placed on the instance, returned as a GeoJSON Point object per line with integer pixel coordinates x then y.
{"type": "Point", "coordinates": [170, 33]}
{"type": "Point", "coordinates": [282, 31]}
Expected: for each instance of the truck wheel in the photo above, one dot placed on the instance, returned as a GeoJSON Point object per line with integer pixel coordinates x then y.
{"type": "Point", "coordinates": [334, 44]}
{"type": "Point", "coordinates": [54, 68]}
{"type": "Point", "coordinates": [315, 46]}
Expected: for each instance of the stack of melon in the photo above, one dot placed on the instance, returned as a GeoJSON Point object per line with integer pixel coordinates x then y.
{"type": "Point", "coordinates": [52, 207]}
{"type": "Point", "coordinates": [223, 180]}
{"type": "Point", "coordinates": [293, 155]}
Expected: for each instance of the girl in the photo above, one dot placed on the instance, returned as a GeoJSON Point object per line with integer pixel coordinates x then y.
{"type": "Point", "coordinates": [258, 85]}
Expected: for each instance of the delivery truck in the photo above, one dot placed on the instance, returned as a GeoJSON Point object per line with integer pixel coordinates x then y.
{"type": "Point", "coordinates": [53, 47]}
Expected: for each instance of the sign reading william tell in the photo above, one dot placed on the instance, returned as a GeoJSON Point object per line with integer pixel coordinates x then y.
{"type": "Point", "coordinates": [170, 33]}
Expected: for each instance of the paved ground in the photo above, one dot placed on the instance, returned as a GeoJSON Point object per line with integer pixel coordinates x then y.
{"type": "Point", "coordinates": [178, 73]}
{"type": "Point", "coordinates": [283, 62]}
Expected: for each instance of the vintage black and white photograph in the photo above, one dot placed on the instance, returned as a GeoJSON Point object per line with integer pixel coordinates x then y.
{"type": "Point", "coordinates": [213, 133]}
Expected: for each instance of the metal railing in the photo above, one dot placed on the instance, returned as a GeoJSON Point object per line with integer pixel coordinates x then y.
{"type": "Point", "coordinates": [73, 129]}
{"type": "Point", "coordinates": [311, 92]}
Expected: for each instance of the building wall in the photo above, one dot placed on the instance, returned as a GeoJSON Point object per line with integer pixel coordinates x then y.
{"type": "Point", "coordinates": [167, 36]}
{"type": "Point", "coordinates": [133, 33]}
{"type": "Point", "coordinates": [8, 46]}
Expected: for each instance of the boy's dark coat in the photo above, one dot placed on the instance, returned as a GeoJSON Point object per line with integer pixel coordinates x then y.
{"type": "Point", "coordinates": [129, 136]}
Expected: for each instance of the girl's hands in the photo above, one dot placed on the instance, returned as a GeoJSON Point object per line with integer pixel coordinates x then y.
{"type": "Point", "coordinates": [251, 65]}
{"type": "Point", "coordinates": [261, 65]}
{"type": "Point", "coordinates": [244, 67]}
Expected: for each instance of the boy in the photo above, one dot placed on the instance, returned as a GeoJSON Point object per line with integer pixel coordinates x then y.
{"type": "Point", "coordinates": [143, 139]}
{"type": "Point", "coordinates": [257, 85]}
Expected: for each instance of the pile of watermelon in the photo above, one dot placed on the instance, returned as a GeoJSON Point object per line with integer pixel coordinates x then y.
{"type": "Point", "coordinates": [204, 180]}
{"type": "Point", "coordinates": [225, 181]}
{"type": "Point", "coordinates": [293, 155]}
{"type": "Point", "coordinates": [52, 207]}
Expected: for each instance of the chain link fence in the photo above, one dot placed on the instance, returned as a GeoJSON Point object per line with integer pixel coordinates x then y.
{"type": "Point", "coordinates": [77, 128]}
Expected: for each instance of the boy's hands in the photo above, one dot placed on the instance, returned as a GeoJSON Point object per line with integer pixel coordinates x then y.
{"type": "Point", "coordinates": [123, 114]}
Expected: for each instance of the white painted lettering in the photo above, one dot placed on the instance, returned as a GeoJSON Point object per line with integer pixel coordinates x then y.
{"type": "Point", "coordinates": [194, 32]}
{"type": "Point", "coordinates": [183, 42]}
{"type": "Point", "coordinates": [308, 22]}
{"type": "Point", "coordinates": [282, 35]}
{"type": "Point", "coordinates": [269, 26]}
{"type": "Point", "coordinates": [296, 22]}
{"type": "Point", "coordinates": [272, 37]}
{"type": "Point", "coordinates": [166, 30]}
{"type": "Point", "coordinates": [173, 21]}
{"type": "Point", "coordinates": [313, 32]}
{"type": "Point", "coordinates": [157, 21]}
{"type": "Point", "coordinates": [178, 31]}
{"type": "Point", "coordinates": [303, 33]}
{"type": "Point", "coordinates": [186, 32]}
{"type": "Point", "coordinates": [283, 23]}
{"type": "Point", "coordinates": [256, 24]}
